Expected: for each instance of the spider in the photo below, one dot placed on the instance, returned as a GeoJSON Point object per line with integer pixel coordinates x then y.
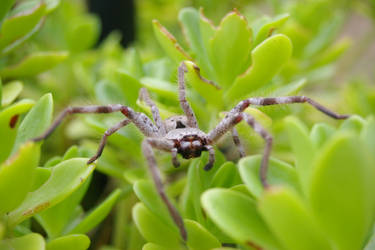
{"type": "Point", "coordinates": [181, 134]}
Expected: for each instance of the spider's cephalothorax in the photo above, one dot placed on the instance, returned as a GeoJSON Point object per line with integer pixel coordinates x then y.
{"type": "Point", "coordinates": [181, 134]}
{"type": "Point", "coordinates": [190, 142]}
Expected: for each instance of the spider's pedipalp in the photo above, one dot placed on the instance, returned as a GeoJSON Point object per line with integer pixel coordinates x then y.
{"type": "Point", "coordinates": [211, 157]}
{"type": "Point", "coordinates": [237, 142]}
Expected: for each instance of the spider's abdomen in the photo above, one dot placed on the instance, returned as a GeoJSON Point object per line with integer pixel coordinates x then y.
{"type": "Point", "coordinates": [190, 142]}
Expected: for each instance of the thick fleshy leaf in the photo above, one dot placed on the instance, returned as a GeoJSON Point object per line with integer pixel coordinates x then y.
{"type": "Point", "coordinates": [320, 133]}
{"type": "Point", "coordinates": [55, 220]}
{"type": "Point", "coordinates": [303, 148]}
{"type": "Point", "coordinates": [130, 87]}
{"type": "Point", "coordinates": [65, 178]}
{"type": "Point", "coordinates": [36, 121]}
{"type": "Point", "coordinates": [17, 29]}
{"type": "Point", "coordinates": [145, 191]}
{"type": "Point", "coordinates": [190, 20]}
{"type": "Point", "coordinates": [17, 176]}
{"type": "Point", "coordinates": [5, 6]}
{"type": "Point", "coordinates": [354, 123]}
{"type": "Point", "coordinates": [97, 214]}
{"type": "Point", "coordinates": [34, 64]}
{"type": "Point", "coordinates": [290, 220]}
{"type": "Point", "coordinates": [226, 176]}
{"type": "Point", "coordinates": [8, 125]}
{"type": "Point", "coordinates": [230, 48]}
{"type": "Point", "coordinates": [208, 90]}
{"type": "Point", "coordinates": [10, 92]}
{"type": "Point", "coordinates": [31, 241]}
{"type": "Point", "coordinates": [198, 180]}
{"type": "Point", "coordinates": [279, 173]}
{"type": "Point", "coordinates": [267, 60]}
{"type": "Point", "coordinates": [339, 192]}
{"type": "Point", "coordinates": [169, 43]}
{"type": "Point", "coordinates": [153, 229]}
{"type": "Point", "coordinates": [236, 214]}
{"type": "Point", "coordinates": [71, 241]}
{"type": "Point", "coordinates": [370, 243]}
{"type": "Point", "coordinates": [207, 30]}
{"type": "Point", "coordinates": [108, 93]}
{"type": "Point", "coordinates": [152, 246]}
{"type": "Point", "coordinates": [41, 176]}
{"type": "Point", "coordinates": [269, 27]}
{"type": "Point", "coordinates": [161, 87]}
{"type": "Point", "coordinates": [199, 237]}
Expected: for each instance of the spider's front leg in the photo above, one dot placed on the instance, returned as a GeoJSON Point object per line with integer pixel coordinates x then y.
{"type": "Point", "coordinates": [143, 123]}
{"type": "Point", "coordinates": [165, 145]}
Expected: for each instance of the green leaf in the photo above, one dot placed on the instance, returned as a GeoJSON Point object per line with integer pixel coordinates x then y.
{"type": "Point", "coordinates": [279, 173]}
{"type": "Point", "coordinates": [267, 60]}
{"type": "Point", "coordinates": [169, 43]}
{"type": "Point", "coordinates": [82, 33]}
{"type": "Point", "coordinates": [320, 133]}
{"type": "Point", "coordinates": [8, 125]}
{"type": "Point", "coordinates": [145, 191]}
{"type": "Point", "coordinates": [10, 92]}
{"type": "Point", "coordinates": [34, 64]}
{"type": "Point", "coordinates": [160, 87]}
{"type": "Point", "coordinates": [153, 229]}
{"type": "Point", "coordinates": [17, 174]}
{"type": "Point", "coordinates": [71, 241]}
{"type": "Point", "coordinates": [36, 121]}
{"type": "Point", "coordinates": [303, 149]}
{"type": "Point", "coordinates": [339, 191]}
{"type": "Point", "coordinates": [55, 220]}
{"type": "Point", "coordinates": [290, 220]}
{"type": "Point", "coordinates": [199, 237]}
{"type": "Point", "coordinates": [5, 6]}
{"type": "Point", "coordinates": [65, 178]}
{"type": "Point", "coordinates": [41, 176]}
{"type": "Point", "coordinates": [17, 29]}
{"type": "Point", "coordinates": [207, 30]}
{"type": "Point", "coordinates": [269, 27]}
{"type": "Point", "coordinates": [230, 48]}
{"type": "Point", "coordinates": [97, 214]}
{"type": "Point", "coordinates": [31, 241]}
{"type": "Point", "coordinates": [190, 20]}
{"type": "Point", "coordinates": [130, 87]}
{"type": "Point", "coordinates": [226, 176]}
{"type": "Point", "coordinates": [108, 93]}
{"type": "Point", "coordinates": [237, 215]}
{"type": "Point", "coordinates": [354, 123]}
{"type": "Point", "coordinates": [211, 93]}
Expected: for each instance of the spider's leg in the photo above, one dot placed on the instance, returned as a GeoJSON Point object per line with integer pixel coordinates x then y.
{"type": "Point", "coordinates": [230, 120]}
{"type": "Point", "coordinates": [147, 145]}
{"type": "Point", "coordinates": [103, 141]}
{"type": "Point", "coordinates": [211, 159]}
{"type": "Point", "coordinates": [145, 96]}
{"type": "Point", "coordinates": [265, 101]}
{"type": "Point", "coordinates": [175, 161]}
{"type": "Point", "coordinates": [139, 119]}
{"type": "Point", "coordinates": [192, 121]}
{"type": "Point", "coordinates": [258, 128]}
{"type": "Point", "coordinates": [237, 142]}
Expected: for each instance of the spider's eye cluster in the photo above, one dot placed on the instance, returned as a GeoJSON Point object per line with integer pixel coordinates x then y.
{"type": "Point", "coordinates": [175, 122]}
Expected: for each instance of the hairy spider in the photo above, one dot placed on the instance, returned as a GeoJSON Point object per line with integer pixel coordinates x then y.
{"type": "Point", "coordinates": [181, 134]}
